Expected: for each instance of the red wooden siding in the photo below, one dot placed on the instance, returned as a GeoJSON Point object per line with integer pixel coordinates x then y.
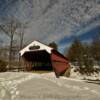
{"type": "Point", "coordinates": [59, 63]}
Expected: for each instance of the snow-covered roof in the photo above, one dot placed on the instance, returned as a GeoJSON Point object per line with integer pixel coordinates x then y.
{"type": "Point", "coordinates": [34, 46]}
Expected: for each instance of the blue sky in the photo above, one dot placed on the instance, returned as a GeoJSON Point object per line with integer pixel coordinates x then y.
{"type": "Point", "coordinates": [85, 37]}
{"type": "Point", "coordinates": [54, 20]}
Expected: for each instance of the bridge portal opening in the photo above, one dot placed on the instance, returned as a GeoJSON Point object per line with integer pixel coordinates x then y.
{"type": "Point", "coordinates": [37, 61]}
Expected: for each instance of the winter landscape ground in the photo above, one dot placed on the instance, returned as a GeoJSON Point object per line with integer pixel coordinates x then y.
{"type": "Point", "coordinates": [30, 86]}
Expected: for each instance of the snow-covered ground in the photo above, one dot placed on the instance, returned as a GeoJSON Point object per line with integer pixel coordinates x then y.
{"type": "Point", "coordinates": [29, 86]}
{"type": "Point", "coordinates": [77, 75]}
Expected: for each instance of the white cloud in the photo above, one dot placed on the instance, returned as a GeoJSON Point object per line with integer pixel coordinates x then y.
{"type": "Point", "coordinates": [64, 47]}
{"type": "Point", "coordinates": [62, 19]}
{"type": "Point", "coordinates": [84, 30]}
{"type": "Point", "coordinates": [54, 22]}
{"type": "Point", "coordinates": [87, 41]}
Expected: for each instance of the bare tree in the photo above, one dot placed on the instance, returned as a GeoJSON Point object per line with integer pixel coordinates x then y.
{"type": "Point", "coordinates": [9, 28]}
{"type": "Point", "coordinates": [21, 35]}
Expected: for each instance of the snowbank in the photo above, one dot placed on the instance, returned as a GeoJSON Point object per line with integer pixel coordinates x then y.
{"type": "Point", "coordinates": [77, 75]}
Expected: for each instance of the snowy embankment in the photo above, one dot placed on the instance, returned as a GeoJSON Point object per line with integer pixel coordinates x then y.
{"type": "Point", "coordinates": [77, 75]}
{"type": "Point", "coordinates": [9, 82]}
{"type": "Point", "coordinates": [29, 86]}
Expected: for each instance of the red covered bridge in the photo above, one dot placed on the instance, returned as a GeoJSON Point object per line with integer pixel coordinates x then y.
{"type": "Point", "coordinates": [38, 56]}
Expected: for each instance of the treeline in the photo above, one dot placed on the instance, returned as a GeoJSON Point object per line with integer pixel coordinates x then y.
{"type": "Point", "coordinates": [85, 55]}
{"type": "Point", "coordinates": [14, 30]}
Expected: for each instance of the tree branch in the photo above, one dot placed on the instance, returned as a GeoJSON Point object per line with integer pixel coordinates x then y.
{"type": "Point", "coordinates": [6, 32]}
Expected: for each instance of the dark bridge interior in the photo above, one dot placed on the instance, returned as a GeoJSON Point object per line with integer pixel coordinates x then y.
{"type": "Point", "coordinates": [39, 60]}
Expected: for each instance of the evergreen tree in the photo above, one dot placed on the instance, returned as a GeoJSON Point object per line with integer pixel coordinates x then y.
{"type": "Point", "coordinates": [53, 45]}
{"type": "Point", "coordinates": [81, 54]}
{"type": "Point", "coordinates": [76, 51]}
{"type": "Point", "coordinates": [95, 47]}
{"type": "Point", "coordinates": [88, 60]}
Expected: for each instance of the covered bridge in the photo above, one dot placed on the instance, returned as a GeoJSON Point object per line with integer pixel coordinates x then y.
{"type": "Point", "coordinates": [38, 56]}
